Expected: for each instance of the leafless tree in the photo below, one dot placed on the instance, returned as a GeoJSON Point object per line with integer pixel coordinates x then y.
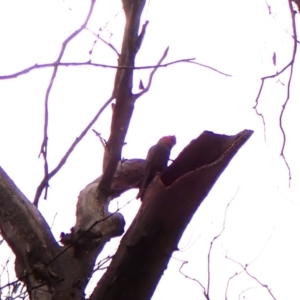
{"type": "Point", "coordinates": [51, 270]}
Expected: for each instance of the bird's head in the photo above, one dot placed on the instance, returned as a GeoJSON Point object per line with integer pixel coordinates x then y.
{"type": "Point", "coordinates": [169, 140]}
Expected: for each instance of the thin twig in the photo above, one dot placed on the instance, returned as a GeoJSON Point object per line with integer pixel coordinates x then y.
{"type": "Point", "coordinates": [228, 281]}
{"type": "Point", "coordinates": [45, 181]}
{"type": "Point", "coordinates": [102, 140]}
{"type": "Point", "coordinates": [193, 279]}
{"type": "Point", "coordinates": [256, 110]}
{"type": "Point", "coordinates": [290, 66]}
{"type": "Point", "coordinates": [215, 238]}
{"type": "Point", "coordinates": [209, 67]}
{"type": "Point", "coordinates": [101, 263]}
{"type": "Point", "coordinates": [288, 91]}
{"type": "Point", "coordinates": [44, 146]}
{"type": "Point", "coordinates": [104, 41]}
{"type": "Point", "coordinates": [244, 267]}
{"type": "Point", "coordinates": [146, 89]}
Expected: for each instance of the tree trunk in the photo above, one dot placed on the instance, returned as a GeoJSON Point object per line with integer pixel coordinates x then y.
{"type": "Point", "coordinates": [168, 206]}
{"type": "Point", "coordinates": [52, 271]}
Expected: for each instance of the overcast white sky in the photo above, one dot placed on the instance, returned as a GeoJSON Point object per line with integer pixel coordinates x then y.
{"type": "Point", "coordinates": [263, 219]}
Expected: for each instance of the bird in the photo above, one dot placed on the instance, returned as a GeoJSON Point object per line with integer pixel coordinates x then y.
{"type": "Point", "coordinates": [156, 161]}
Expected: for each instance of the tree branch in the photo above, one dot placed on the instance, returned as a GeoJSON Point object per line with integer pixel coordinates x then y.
{"type": "Point", "coordinates": [148, 244]}
{"type": "Point", "coordinates": [124, 106]}
{"type": "Point", "coordinates": [24, 229]}
{"type": "Point", "coordinates": [289, 66]}
{"type": "Point", "coordinates": [46, 179]}
{"type": "Point", "coordinates": [124, 67]}
{"type": "Point", "coordinates": [44, 146]}
{"type": "Point", "coordinates": [146, 89]}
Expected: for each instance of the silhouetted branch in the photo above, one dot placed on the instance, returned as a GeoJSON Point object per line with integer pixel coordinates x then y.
{"type": "Point", "coordinates": [104, 41]}
{"type": "Point", "coordinates": [193, 279]}
{"type": "Point", "coordinates": [288, 90]}
{"type": "Point", "coordinates": [100, 265]}
{"type": "Point", "coordinates": [146, 89]}
{"type": "Point", "coordinates": [213, 241]}
{"type": "Point", "coordinates": [44, 146]}
{"type": "Point", "coordinates": [89, 63]}
{"type": "Point", "coordinates": [256, 110]}
{"type": "Point", "coordinates": [290, 66]}
{"type": "Point", "coordinates": [46, 179]}
{"type": "Point", "coordinates": [228, 282]}
{"type": "Point", "coordinates": [209, 67]}
{"type": "Point", "coordinates": [124, 99]}
{"type": "Point", "coordinates": [244, 267]}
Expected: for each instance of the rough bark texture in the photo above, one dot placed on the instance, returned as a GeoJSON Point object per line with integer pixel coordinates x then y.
{"type": "Point", "coordinates": [48, 270]}
{"type": "Point", "coordinates": [124, 98]}
{"type": "Point", "coordinates": [169, 204]}
{"type": "Point", "coordinates": [93, 220]}
{"type": "Point", "coordinates": [52, 271]}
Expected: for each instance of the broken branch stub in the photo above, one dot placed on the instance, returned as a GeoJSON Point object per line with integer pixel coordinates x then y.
{"type": "Point", "coordinates": [93, 220]}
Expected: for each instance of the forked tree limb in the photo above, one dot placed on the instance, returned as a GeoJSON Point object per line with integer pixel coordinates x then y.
{"type": "Point", "coordinates": [49, 270]}
{"type": "Point", "coordinates": [122, 92]}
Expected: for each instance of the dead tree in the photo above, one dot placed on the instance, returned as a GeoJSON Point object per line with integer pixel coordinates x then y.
{"type": "Point", "coordinates": [53, 271]}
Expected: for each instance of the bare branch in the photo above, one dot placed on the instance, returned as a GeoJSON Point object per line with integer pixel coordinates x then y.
{"type": "Point", "coordinates": [256, 110]}
{"type": "Point", "coordinates": [122, 93]}
{"type": "Point", "coordinates": [146, 89]}
{"type": "Point", "coordinates": [259, 282]}
{"type": "Point", "coordinates": [44, 146]}
{"type": "Point", "coordinates": [228, 281]}
{"type": "Point", "coordinates": [288, 91]}
{"type": "Point", "coordinates": [209, 67]}
{"type": "Point", "coordinates": [193, 279]}
{"type": "Point", "coordinates": [290, 66]}
{"type": "Point", "coordinates": [89, 63]}
{"type": "Point", "coordinates": [240, 272]}
{"type": "Point", "coordinates": [101, 263]}
{"type": "Point", "coordinates": [244, 267]}
{"type": "Point", "coordinates": [104, 41]}
{"type": "Point", "coordinates": [46, 179]}
{"type": "Point", "coordinates": [213, 241]}
{"type": "Point", "coordinates": [101, 139]}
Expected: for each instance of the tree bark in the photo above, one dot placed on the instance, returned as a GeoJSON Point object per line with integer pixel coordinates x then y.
{"type": "Point", "coordinates": [52, 271]}
{"type": "Point", "coordinates": [168, 206]}
{"type": "Point", "coordinates": [124, 98]}
{"type": "Point", "coordinates": [48, 270]}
